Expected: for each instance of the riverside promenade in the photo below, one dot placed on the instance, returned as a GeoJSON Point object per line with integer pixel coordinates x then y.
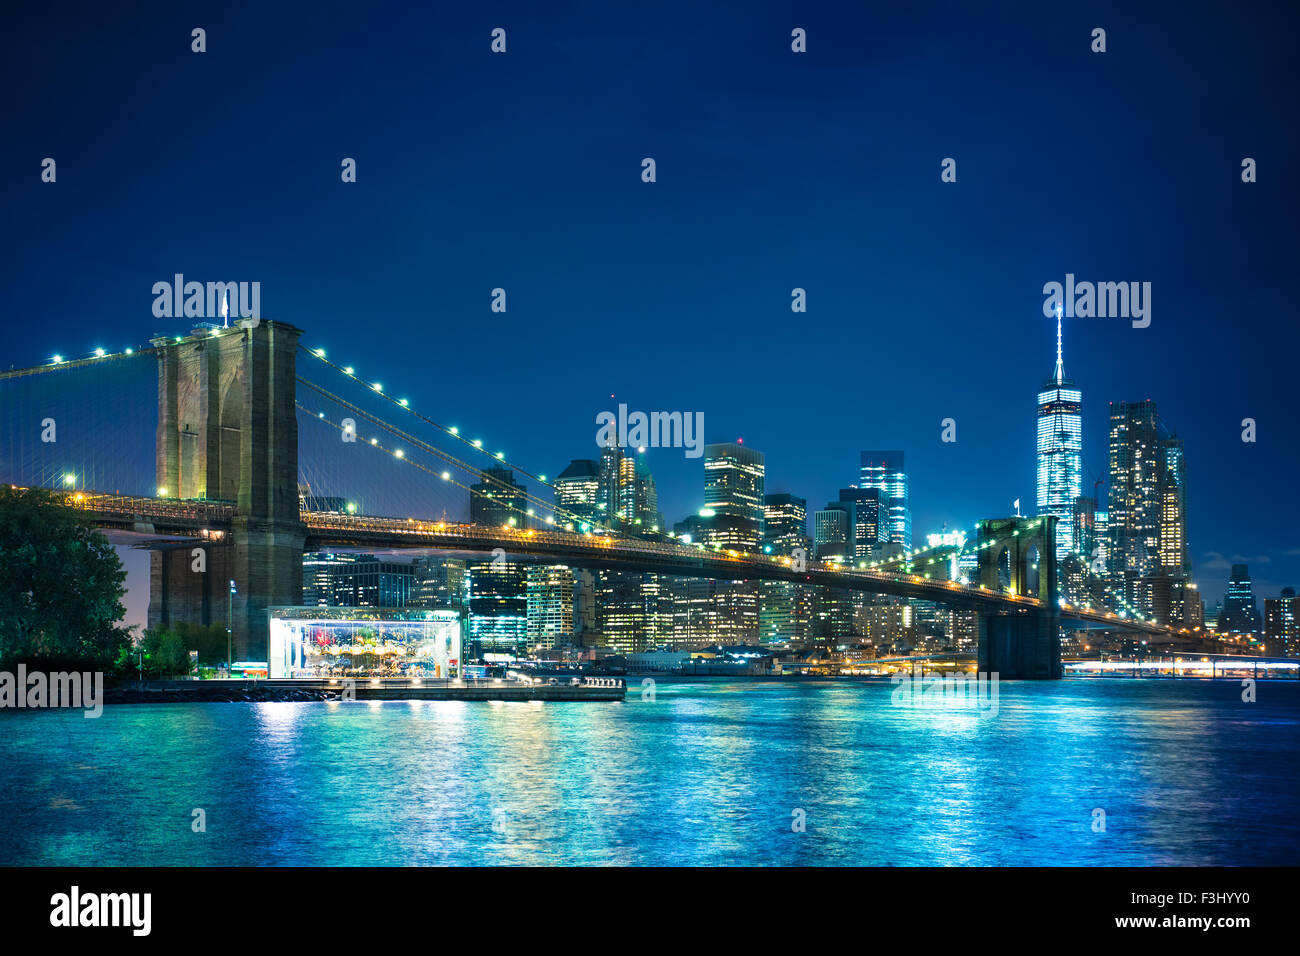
{"type": "Point", "coordinates": [362, 689]}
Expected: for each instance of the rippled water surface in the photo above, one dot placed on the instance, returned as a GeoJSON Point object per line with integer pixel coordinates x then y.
{"type": "Point", "coordinates": [707, 773]}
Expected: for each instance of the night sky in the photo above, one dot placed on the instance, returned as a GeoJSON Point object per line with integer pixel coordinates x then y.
{"type": "Point", "coordinates": [775, 170]}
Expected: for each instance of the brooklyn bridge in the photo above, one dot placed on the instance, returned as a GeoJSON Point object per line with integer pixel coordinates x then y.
{"type": "Point", "coordinates": [240, 419]}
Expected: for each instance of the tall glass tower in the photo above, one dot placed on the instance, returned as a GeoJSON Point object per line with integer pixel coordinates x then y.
{"type": "Point", "coordinates": [733, 485]}
{"type": "Point", "coordinates": [1060, 449]}
{"type": "Point", "coordinates": [885, 470]}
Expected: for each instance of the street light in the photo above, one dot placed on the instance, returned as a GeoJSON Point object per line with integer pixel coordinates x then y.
{"type": "Point", "coordinates": [230, 619]}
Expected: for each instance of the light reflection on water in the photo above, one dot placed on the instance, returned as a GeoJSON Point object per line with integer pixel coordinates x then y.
{"type": "Point", "coordinates": [707, 773]}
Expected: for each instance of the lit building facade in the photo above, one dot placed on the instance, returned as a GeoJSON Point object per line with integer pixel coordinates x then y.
{"type": "Point", "coordinates": [871, 520]}
{"type": "Point", "coordinates": [548, 605]}
{"type": "Point", "coordinates": [632, 612]}
{"type": "Point", "coordinates": [354, 580]}
{"type": "Point", "coordinates": [833, 532]}
{"type": "Point", "coordinates": [1174, 555]}
{"type": "Point", "coordinates": [638, 497]}
{"type": "Point", "coordinates": [1134, 498]}
{"type": "Point", "coordinates": [438, 583]}
{"type": "Point", "coordinates": [785, 519]}
{"type": "Point", "coordinates": [785, 612]}
{"type": "Point", "coordinates": [885, 470]}
{"type": "Point", "coordinates": [1146, 520]}
{"type": "Point", "coordinates": [498, 500]}
{"type": "Point", "coordinates": [577, 493]}
{"type": "Point", "coordinates": [1282, 625]}
{"type": "Point", "coordinates": [498, 608]}
{"type": "Point", "coordinates": [1240, 614]}
{"type": "Point", "coordinates": [734, 477]}
{"type": "Point", "coordinates": [1060, 450]}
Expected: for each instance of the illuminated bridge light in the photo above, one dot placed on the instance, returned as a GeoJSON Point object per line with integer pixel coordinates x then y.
{"type": "Point", "coordinates": [99, 353]}
{"type": "Point", "coordinates": [130, 351]}
{"type": "Point", "coordinates": [454, 430]}
{"type": "Point", "coordinates": [162, 492]}
{"type": "Point", "coordinates": [446, 476]}
{"type": "Point", "coordinates": [58, 359]}
{"type": "Point", "coordinates": [348, 370]}
{"type": "Point", "coordinates": [402, 402]}
{"type": "Point", "coordinates": [378, 386]}
{"type": "Point", "coordinates": [69, 479]}
{"type": "Point", "coordinates": [320, 353]}
{"type": "Point", "coordinates": [541, 477]}
{"type": "Point", "coordinates": [478, 443]}
{"type": "Point", "coordinates": [501, 456]}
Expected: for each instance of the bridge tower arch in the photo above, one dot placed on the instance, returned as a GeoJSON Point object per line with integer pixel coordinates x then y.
{"type": "Point", "coordinates": [1021, 644]}
{"type": "Point", "coordinates": [228, 431]}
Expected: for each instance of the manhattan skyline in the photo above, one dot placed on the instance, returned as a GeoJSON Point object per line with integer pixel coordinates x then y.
{"type": "Point", "coordinates": [924, 298]}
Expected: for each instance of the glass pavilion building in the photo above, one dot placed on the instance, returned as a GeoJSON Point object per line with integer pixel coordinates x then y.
{"type": "Point", "coordinates": [364, 642]}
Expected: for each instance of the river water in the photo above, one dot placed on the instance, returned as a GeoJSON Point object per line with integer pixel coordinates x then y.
{"type": "Point", "coordinates": [1075, 772]}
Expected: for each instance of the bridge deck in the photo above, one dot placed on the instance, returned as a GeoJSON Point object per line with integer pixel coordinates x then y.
{"type": "Point", "coordinates": [212, 519]}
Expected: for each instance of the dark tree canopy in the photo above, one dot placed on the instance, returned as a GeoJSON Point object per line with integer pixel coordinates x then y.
{"type": "Point", "coordinates": [61, 585]}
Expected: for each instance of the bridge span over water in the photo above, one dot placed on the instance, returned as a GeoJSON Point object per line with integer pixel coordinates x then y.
{"type": "Point", "coordinates": [228, 471]}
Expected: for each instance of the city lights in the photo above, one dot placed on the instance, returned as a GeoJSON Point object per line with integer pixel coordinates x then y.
{"type": "Point", "coordinates": [800, 649]}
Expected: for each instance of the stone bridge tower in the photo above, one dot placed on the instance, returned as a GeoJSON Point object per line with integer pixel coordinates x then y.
{"type": "Point", "coordinates": [228, 431]}
{"type": "Point", "coordinates": [1019, 555]}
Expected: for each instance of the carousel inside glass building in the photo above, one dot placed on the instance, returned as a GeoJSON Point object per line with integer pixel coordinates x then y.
{"type": "Point", "coordinates": [364, 642]}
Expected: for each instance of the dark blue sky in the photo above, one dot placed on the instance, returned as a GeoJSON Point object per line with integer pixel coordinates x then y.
{"type": "Point", "coordinates": [775, 170]}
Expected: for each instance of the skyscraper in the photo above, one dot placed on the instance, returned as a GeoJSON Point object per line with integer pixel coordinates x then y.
{"type": "Point", "coordinates": [633, 612]}
{"type": "Point", "coordinates": [354, 580]}
{"type": "Point", "coordinates": [785, 518]}
{"type": "Point", "coordinates": [1174, 555]}
{"type": "Point", "coordinates": [785, 608]}
{"type": "Point", "coordinates": [1147, 510]}
{"type": "Point", "coordinates": [785, 611]}
{"type": "Point", "coordinates": [1240, 612]}
{"type": "Point", "coordinates": [1282, 624]}
{"type": "Point", "coordinates": [498, 607]}
{"type": "Point", "coordinates": [625, 493]}
{"type": "Point", "coordinates": [833, 532]}
{"type": "Point", "coordinates": [1060, 450]}
{"type": "Point", "coordinates": [577, 492]}
{"type": "Point", "coordinates": [498, 599]}
{"type": "Point", "coordinates": [609, 475]}
{"type": "Point", "coordinates": [498, 500]}
{"type": "Point", "coordinates": [638, 498]}
{"type": "Point", "coordinates": [733, 517]}
{"type": "Point", "coordinates": [438, 583]}
{"type": "Point", "coordinates": [872, 520]}
{"type": "Point", "coordinates": [1134, 498]}
{"type": "Point", "coordinates": [884, 470]}
{"type": "Point", "coordinates": [733, 485]}
{"type": "Point", "coordinates": [549, 602]}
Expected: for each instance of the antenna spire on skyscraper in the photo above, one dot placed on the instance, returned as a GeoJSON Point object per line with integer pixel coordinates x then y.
{"type": "Point", "coordinates": [1060, 364]}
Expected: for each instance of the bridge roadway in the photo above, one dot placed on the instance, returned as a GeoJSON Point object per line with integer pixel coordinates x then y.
{"type": "Point", "coordinates": [211, 520]}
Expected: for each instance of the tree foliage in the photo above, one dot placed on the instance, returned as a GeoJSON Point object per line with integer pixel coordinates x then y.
{"type": "Point", "coordinates": [165, 654]}
{"type": "Point", "coordinates": [61, 585]}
